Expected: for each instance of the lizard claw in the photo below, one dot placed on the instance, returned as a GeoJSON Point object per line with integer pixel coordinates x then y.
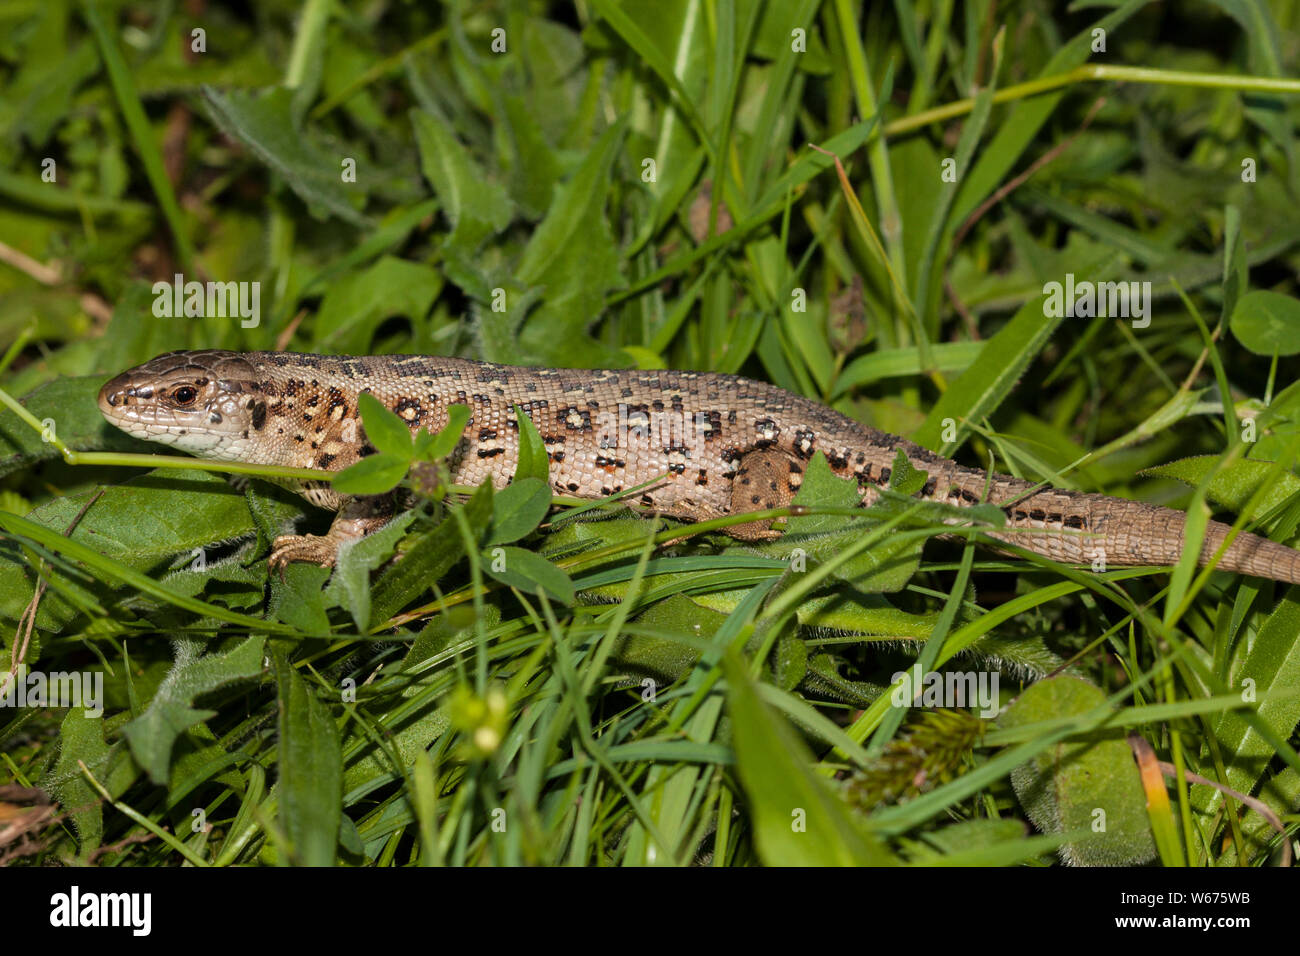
{"type": "Point", "coordinates": [312, 548]}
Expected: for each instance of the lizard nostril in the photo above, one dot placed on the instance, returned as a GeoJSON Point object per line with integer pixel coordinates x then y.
{"type": "Point", "coordinates": [111, 395]}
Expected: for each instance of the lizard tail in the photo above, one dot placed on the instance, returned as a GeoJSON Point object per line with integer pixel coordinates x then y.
{"type": "Point", "coordinates": [1081, 528]}
{"type": "Point", "coordinates": [1251, 554]}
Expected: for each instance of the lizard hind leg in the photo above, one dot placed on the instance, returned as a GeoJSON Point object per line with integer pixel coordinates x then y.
{"type": "Point", "coordinates": [765, 478]}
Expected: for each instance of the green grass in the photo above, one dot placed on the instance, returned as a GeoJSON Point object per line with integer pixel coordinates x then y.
{"type": "Point", "coordinates": [545, 681]}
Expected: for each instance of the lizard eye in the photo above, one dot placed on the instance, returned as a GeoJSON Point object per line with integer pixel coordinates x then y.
{"type": "Point", "coordinates": [185, 395]}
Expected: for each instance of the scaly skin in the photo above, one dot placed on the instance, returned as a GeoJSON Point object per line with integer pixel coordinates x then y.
{"type": "Point", "coordinates": [726, 444]}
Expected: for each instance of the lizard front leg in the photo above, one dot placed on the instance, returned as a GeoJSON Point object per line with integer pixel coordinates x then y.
{"type": "Point", "coordinates": [357, 518]}
{"type": "Point", "coordinates": [765, 478]}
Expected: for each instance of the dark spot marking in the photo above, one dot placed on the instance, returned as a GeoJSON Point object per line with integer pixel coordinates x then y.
{"type": "Point", "coordinates": [409, 410]}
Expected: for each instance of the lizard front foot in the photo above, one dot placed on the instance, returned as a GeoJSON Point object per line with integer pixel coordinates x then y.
{"type": "Point", "coordinates": [311, 548]}
{"type": "Point", "coordinates": [358, 518]}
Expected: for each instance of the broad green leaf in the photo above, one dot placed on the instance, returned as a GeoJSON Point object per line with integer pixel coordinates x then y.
{"type": "Point", "coordinates": [533, 461]}
{"type": "Point", "coordinates": [228, 583]}
{"type": "Point", "coordinates": [350, 584]}
{"type": "Point", "coordinates": [575, 217]}
{"type": "Point", "coordinates": [798, 820]}
{"type": "Point", "coordinates": [518, 508]}
{"type": "Point", "coordinates": [1233, 485]}
{"type": "Point", "coordinates": [529, 572]}
{"type": "Point", "coordinates": [372, 475]}
{"type": "Point", "coordinates": [643, 651]}
{"type": "Point", "coordinates": [1267, 323]}
{"type": "Point", "coordinates": [171, 712]}
{"type": "Point", "coordinates": [356, 304]}
{"type": "Point", "coordinates": [573, 258]}
{"type": "Point", "coordinates": [1086, 785]}
{"type": "Point", "coordinates": [311, 770]}
{"type": "Point", "coordinates": [143, 524]}
{"type": "Point", "coordinates": [263, 121]}
{"type": "Point", "coordinates": [1272, 664]}
{"type": "Point", "coordinates": [902, 363]}
{"type": "Point", "coordinates": [384, 429]}
{"type": "Point", "coordinates": [445, 442]}
{"type": "Point", "coordinates": [297, 598]}
{"type": "Point", "coordinates": [431, 555]}
{"type": "Point", "coordinates": [390, 233]}
{"type": "Point", "coordinates": [81, 740]}
{"type": "Point", "coordinates": [475, 206]}
{"type": "Point", "coordinates": [904, 477]}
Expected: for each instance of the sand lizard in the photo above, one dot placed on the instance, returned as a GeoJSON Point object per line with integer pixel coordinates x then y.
{"type": "Point", "coordinates": [722, 444]}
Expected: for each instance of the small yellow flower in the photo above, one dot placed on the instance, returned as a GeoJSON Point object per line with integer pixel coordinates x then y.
{"type": "Point", "coordinates": [481, 720]}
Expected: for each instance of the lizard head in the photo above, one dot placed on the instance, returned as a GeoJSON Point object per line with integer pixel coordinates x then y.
{"type": "Point", "coordinates": [208, 403]}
